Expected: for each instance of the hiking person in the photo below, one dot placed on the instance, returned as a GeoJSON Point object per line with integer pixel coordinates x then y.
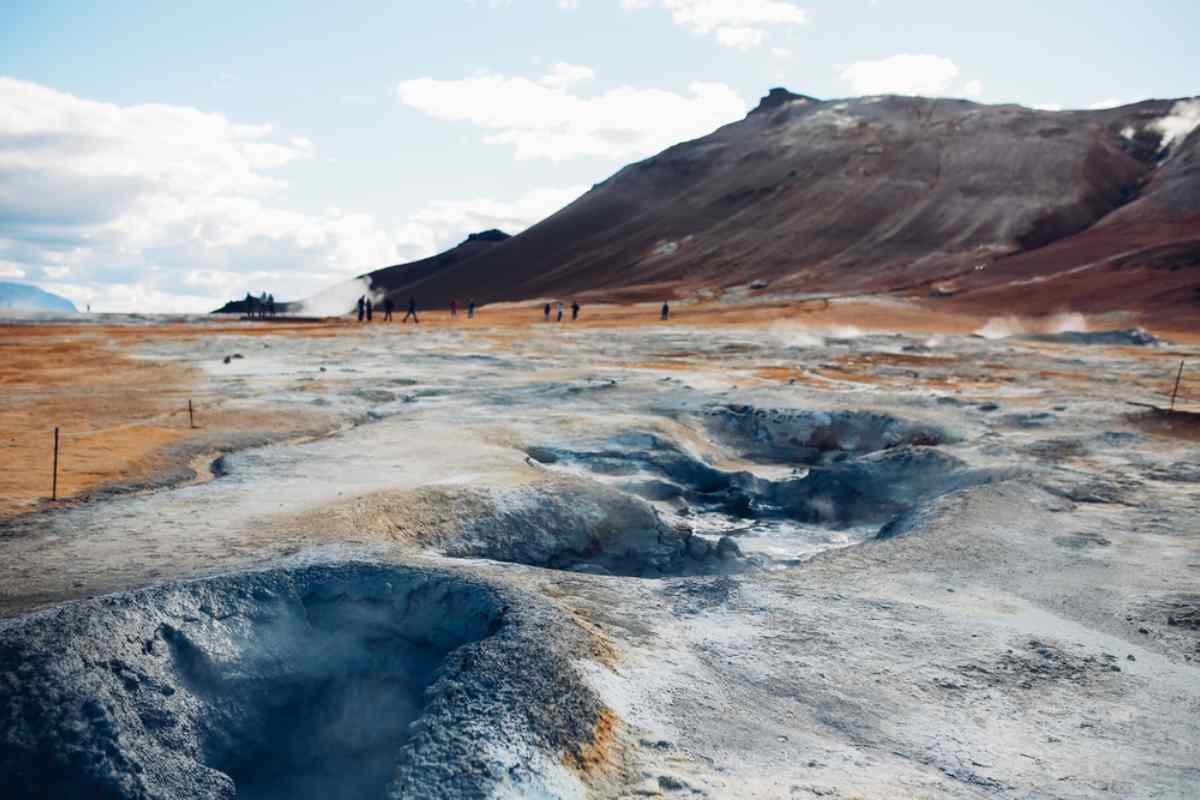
{"type": "Point", "coordinates": [546, 312]}
{"type": "Point", "coordinates": [453, 309]}
{"type": "Point", "coordinates": [574, 310]}
{"type": "Point", "coordinates": [387, 309]}
{"type": "Point", "coordinates": [362, 308]}
{"type": "Point", "coordinates": [471, 310]}
{"type": "Point", "coordinates": [412, 311]}
{"type": "Point", "coordinates": [666, 311]}
{"type": "Point", "coordinates": [560, 310]}
{"type": "Point", "coordinates": [368, 309]}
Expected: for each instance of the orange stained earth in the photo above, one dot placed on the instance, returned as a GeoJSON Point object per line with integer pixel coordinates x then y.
{"type": "Point", "coordinates": [124, 419]}
{"type": "Point", "coordinates": [119, 418]}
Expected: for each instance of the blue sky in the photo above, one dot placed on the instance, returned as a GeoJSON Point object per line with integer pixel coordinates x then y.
{"type": "Point", "coordinates": [168, 156]}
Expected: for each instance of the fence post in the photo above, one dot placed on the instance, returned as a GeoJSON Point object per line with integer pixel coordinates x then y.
{"type": "Point", "coordinates": [191, 419]}
{"type": "Point", "coordinates": [1178, 375]}
{"type": "Point", "coordinates": [54, 484]}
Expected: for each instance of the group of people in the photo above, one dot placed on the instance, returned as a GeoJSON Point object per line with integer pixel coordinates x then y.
{"type": "Point", "coordinates": [665, 314]}
{"type": "Point", "coordinates": [366, 309]}
{"type": "Point", "coordinates": [574, 311]}
{"type": "Point", "coordinates": [260, 307]}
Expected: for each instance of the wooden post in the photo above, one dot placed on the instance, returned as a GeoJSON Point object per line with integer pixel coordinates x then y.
{"type": "Point", "coordinates": [54, 484]}
{"type": "Point", "coordinates": [1178, 375]}
{"type": "Point", "coordinates": [191, 418]}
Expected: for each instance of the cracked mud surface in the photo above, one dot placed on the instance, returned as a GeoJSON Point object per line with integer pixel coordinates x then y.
{"type": "Point", "coordinates": [726, 562]}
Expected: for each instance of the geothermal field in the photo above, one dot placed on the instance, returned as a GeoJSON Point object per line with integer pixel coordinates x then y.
{"type": "Point", "coordinates": [857, 551]}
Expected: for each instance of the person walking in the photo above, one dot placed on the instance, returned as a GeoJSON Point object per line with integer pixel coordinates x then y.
{"type": "Point", "coordinates": [387, 309]}
{"type": "Point", "coordinates": [471, 310]}
{"type": "Point", "coordinates": [546, 312]}
{"type": "Point", "coordinates": [362, 308]}
{"type": "Point", "coordinates": [560, 310]}
{"type": "Point", "coordinates": [666, 311]}
{"type": "Point", "coordinates": [453, 309]}
{"type": "Point", "coordinates": [574, 310]}
{"type": "Point", "coordinates": [412, 311]}
{"type": "Point", "coordinates": [368, 309]}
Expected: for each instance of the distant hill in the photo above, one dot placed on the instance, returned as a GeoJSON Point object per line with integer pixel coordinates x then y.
{"type": "Point", "coordinates": [243, 307]}
{"type": "Point", "coordinates": [999, 206]}
{"type": "Point", "coordinates": [23, 297]}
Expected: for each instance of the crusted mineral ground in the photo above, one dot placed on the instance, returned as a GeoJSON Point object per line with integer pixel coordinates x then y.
{"type": "Point", "coordinates": [691, 560]}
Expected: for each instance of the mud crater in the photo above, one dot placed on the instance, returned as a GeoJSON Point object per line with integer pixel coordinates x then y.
{"type": "Point", "coordinates": [326, 682]}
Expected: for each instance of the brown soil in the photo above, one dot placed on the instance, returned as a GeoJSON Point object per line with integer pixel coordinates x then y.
{"type": "Point", "coordinates": [120, 419]}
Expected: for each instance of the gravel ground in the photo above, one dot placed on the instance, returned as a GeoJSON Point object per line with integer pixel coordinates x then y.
{"type": "Point", "coordinates": [681, 562]}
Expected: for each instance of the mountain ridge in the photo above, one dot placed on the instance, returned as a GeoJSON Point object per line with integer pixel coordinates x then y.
{"type": "Point", "coordinates": [27, 297]}
{"type": "Point", "coordinates": [862, 195]}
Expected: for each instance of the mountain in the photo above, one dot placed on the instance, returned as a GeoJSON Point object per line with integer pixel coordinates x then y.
{"type": "Point", "coordinates": [23, 297]}
{"type": "Point", "coordinates": [994, 205]}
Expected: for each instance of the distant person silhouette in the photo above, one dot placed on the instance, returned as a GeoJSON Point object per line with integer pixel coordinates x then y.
{"type": "Point", "coordinates": [666, 311]}
{"type": "Point", "coordinates": [471, 310]}
{"type": "Point", "coordinates": [560, 310]}
{"type": "Point", "coordinates": [453, 309]}
{"type": "Point", "coordinates": [387, 309]}
{"type": "Point", "coordinates": [574, 310]}
{"type": "Point", "coordinates": [546, 312]}
{"type": "Point", "coordinates": [362, 308]}
{"type": "Point", "coordinates": [412, 311]}
{"type": "Point", "coordinates": [368, 309]}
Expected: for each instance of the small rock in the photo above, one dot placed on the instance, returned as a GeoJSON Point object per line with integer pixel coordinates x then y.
{"type": "Point", "coordinates": [589, 569]}
{"type": "Point", "coordinates": [1130, 657]}
{"type": "Point", "coordinates": [648, 788]}
{"type": "Point", "coordinates": [671, 783]}
{"type": "Point", "coordinates": [727, 548]}
{"type": "Point", "coordinates": [698, 548]}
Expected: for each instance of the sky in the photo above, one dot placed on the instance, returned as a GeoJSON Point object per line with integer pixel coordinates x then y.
{"type": "Point", "coordinates": [171, 156]}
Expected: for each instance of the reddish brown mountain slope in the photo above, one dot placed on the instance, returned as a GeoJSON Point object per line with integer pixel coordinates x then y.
{"type": "Point", "coordinates": [871, 194]}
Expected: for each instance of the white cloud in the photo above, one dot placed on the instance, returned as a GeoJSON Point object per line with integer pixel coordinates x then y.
{"type": "Point", "coordinates": [740, 38]}
{"type": "Point", "coordinates": [123, 205]}
{"type": "Point", "coordinates": [735, 23]}
{"type": "Point", "coordinates": [563, 75]}
{"type": "Point", "coordinates": [781, 53]}
{"type": "Point", "coordinates": [11, 270]}
{"type": "Point", "coordinates": [1049, 107]}
{"type": "Point", "coordinates": [973, 88]}
{"type": "Point", "coordinates": [905, 74]}
{"type": "Point", "coordinates": [542, 120]}
{"type": "Point", "coordinates": [1108, 102]}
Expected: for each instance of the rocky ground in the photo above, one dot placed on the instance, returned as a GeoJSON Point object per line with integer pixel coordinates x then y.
{"type": "Point", "coordinates": [691, 560]}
